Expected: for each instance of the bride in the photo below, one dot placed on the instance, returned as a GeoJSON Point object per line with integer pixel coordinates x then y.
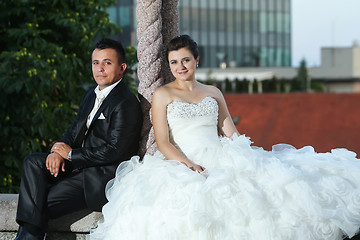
{"type": "Point", "coordinates": [207, 181]}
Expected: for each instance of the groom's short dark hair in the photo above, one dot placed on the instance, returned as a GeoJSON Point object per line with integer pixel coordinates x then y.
{"type": "Point", "coordinates": [113, 44]}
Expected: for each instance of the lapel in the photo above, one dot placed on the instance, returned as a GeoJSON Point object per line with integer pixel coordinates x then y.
{"type": "Point", "coordinates": [88, 106]}
{"type": "Point", "coordinates": [107, 101]}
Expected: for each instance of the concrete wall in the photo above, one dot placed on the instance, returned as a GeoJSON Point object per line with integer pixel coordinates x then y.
{"type": "Point", "coordinates": [338, 87]}
{"type": "Point", "coordinates": [356, 60]}
{"type": "Point", "coordinates": [341, 66]}
{"type": "Point", "coordinates": [336, 62]}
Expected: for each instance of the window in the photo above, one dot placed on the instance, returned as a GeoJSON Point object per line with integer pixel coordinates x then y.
{"type": "Point", "coordinates": [212, 20]}
{"type": "Point", "coordinates": [247, 21]}
{"type": "Point", "coordinates": [279, 22]}
{"type": "Point", "coordinates": [263, 22]}
{"type": "Point", "coordinates": [271, 56]}
{"type": "Point", "coordinates": [246, 5]}
{"type": "Point", "coordinates": [222, 20]}
{"type": "Point", "coordinates": [203, 4]}
{"type": "Point", "coordinates": [186, 3]}
{"type": "Point", "coordinates": [212, 56]}
{"type": "Point", "coordinates": [263, 5]}
{"type": "Point", "coordinates": [204, 20]}
{"type": "Point", "coordinates": [112, 14]}
{"type": "Point", "coordinates": [263, 57]}
{"type": "Point", "coordinates": [194, 18]}
{"type": "Point", "coordinates": [287, 6]}
{"type": "Point", "coordinates": [287, 57]}
{"type": "Point", "coordinates": [186, 19]}
{"type": "Point", "coordinates": [230, 20]}
{"type": "Point", "coordinates": [287, 23]}
{"type": "Point", "coordinates": [271, 21]}
{"type": "Point", "coordinates": [279, 57]}
{"type": "Point", "coordinates": [271, 6]}
{"type": "Point", "coordinates": [250, 32]}
{"type": "Point", "coordinates": [212, 4]}
{"type": "Point", "coordinates": [255, 5]}
{"type": "Point", "coordinates": [255, 21]}
{"type": "Point", "coordinates": [125, 16]}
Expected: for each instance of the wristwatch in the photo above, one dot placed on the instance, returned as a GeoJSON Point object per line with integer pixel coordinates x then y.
{"type": "Point", "coordinates": [69, 155]}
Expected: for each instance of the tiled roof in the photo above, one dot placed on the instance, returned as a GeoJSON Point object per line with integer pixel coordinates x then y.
{"type": "Point", "coordinates": [324, 121]}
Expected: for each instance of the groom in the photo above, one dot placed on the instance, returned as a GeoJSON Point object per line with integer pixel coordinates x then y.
{"type": "Point", "coordinates": [74, 174]}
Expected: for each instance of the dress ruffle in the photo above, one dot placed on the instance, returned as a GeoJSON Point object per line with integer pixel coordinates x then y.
{"type": "Point", "coordinates": [244, 193]}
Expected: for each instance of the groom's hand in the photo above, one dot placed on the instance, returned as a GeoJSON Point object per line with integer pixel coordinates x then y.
{"type": "Point", "coordinates": [62, 149]}
{"type": "Point", "coordinates": [54, 162]}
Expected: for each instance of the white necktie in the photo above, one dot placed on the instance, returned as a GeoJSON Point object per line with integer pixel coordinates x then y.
{"type": "Point", "coordinates": [98, 101]}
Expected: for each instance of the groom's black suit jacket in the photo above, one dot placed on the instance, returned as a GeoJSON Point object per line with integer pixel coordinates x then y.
{"type": "Point", "coordinates": [112, 137]}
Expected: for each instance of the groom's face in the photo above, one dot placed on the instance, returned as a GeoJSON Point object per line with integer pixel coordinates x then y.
{"type": "Point", "coordinates": [106, 68]}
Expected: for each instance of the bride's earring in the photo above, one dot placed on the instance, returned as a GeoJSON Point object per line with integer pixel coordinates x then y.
{"type": "Point", "coordinates": [197, 64]}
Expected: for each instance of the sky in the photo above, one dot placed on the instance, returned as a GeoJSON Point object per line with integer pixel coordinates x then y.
{"type": "Point", "coordinates": [322, 23]}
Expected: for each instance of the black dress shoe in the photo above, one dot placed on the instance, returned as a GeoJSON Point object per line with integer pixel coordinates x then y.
{"type": "Point", "coordinates": [25, 235]}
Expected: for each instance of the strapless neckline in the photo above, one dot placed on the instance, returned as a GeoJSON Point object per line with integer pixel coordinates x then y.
{"type": "Point", "coordinates": [208, 106]}
{"type": "Point", "coordinates": [202, 100]}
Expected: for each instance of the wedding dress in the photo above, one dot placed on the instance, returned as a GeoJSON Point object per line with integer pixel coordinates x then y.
{"type": "Point", "coordinates": [244, 193]}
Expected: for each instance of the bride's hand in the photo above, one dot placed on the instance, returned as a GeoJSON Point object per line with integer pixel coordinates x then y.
{"type": "Point", "coordinates": [196, 167]}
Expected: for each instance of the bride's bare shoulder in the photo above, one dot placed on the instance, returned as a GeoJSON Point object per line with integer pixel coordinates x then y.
{"type": "Point", "coordinates": [212, 91]}
{"type": "Point", "coordinates": [163, 94]}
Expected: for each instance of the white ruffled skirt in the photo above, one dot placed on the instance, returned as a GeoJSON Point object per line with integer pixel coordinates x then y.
{"type": "Point", "coordinates": [245, 193]}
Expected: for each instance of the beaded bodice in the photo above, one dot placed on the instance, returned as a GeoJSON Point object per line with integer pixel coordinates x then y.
{"type": "Point", "coordinates": [193, 124]}
{"type": "Point", "coordinates": [206, 106]}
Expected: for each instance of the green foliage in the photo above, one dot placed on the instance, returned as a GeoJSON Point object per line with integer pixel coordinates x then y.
{"type": "Point", "coordinates": [255, 86]}
{"type": "Point", "coordinates": [296, 85]}
{"type": "Point", "coordinates": [6, 184]}
{"type": "Point", "coordinates": [317, 86]}
{"type": "Point", "coordinates": [270, 85]}
{"type": "Point", "coordinates": [241, 86]}
{"type": "Point", "coordinates": [281, 86]}
{"type": "Point", "coordinates": [274, 85]}
{"type": "Point", "coordinates": [228, 86]}
{"type": "Point", "coordinates": [238, 86]}
{"type": "Point", "coordinates": [130, 73]}
{"type": "Point", "coordinates": [45, 53]}
{"type": "Point", "coordinates": [299, 84]}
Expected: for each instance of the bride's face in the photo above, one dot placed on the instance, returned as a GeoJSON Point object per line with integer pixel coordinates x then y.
{"type": "Point", "coordinates": [183, 64]}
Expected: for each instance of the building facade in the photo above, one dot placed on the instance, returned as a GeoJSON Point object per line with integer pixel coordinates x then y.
{"type": "Point", "coordinates": [239, 33]}
{"type": "Point", "coordinates": [339, 71]}
{"type": "Point", "coordinates": [123, 14]}
{"type": "Point", "coordinates": [230, 33]}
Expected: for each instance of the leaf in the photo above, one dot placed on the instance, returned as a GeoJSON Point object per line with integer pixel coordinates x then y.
{"type": "Point", "coordinates": [31, 33]}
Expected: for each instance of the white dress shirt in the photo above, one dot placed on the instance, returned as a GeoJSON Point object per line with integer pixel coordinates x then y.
{"type": "Point", "coordinates": [100, 96]}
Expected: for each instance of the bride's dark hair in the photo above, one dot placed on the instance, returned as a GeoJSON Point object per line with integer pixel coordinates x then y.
{"type": "Point", "coordinates": [182, 41]}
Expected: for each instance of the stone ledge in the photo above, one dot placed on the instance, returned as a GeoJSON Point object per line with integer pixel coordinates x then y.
{"type": "Point", "coordinates": [52, 236]}
{"type": "Point", "coordinates": [75, 225]}
{"type": "Point", "coordinates": [8, 205]}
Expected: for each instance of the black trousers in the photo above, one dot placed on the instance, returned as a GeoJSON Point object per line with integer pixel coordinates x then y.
{"type": "Point", "coordinates": [43, 196]}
